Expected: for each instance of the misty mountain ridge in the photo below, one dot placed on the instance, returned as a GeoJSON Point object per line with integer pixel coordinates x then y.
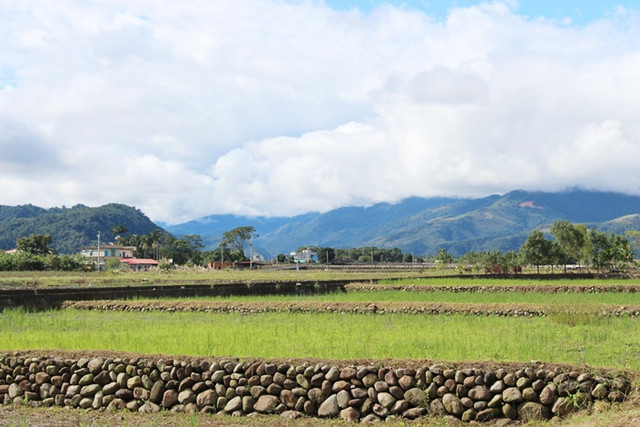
{"type": "Point", "coordinates": [416, 225]}
{"type": "Point", "coordinates": [422, 226]}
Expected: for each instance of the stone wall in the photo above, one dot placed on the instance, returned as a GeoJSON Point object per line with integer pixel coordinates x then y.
{"type": "Point", "coordinates": [353, 392]}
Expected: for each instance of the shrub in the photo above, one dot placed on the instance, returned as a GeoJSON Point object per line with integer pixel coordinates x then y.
{"type": "Point", "coordinates": [164, 265]}
{"type": "Point", "coordinates": [113, 264]}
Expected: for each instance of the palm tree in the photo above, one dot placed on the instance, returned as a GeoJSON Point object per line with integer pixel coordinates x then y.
{"type": "Point", "coordinates": [156, 237]}
{"type": "Point", "coordinates": [118, 230]}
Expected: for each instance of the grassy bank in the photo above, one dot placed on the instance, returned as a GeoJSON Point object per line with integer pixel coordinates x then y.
{"type": "Point", "coordinates": [599, 342]}
{"type": "Point", "coordinates": [577, 298]}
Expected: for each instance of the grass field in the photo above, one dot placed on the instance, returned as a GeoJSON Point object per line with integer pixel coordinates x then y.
{"type": "Point", "coordinates": [578, 298]}
{"type": "Point", "coordinates": [599, 342]}
{"type": "Point", "coordinates": [559, 337]}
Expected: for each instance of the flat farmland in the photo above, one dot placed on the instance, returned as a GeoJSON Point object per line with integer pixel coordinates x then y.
{"type": "Point", "coordinates": [593, 324]}
{"type": "Point", "coordinates": [494, 297]}
{"type": "Point", "coordinates": [599, 342]}
{"type": "Point", "coordinates": [572, 328]}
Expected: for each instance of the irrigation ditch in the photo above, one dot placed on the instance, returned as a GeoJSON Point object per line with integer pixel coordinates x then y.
{"type": "Point", "coordinates": [44, 298]}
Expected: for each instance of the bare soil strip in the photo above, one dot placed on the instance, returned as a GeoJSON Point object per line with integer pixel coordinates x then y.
{"type": "Point", "coordinates": [386, 307]}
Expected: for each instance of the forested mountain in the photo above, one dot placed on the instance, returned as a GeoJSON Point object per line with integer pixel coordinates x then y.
{"type": "Point", "coordinates": [22, 211]}
{"type": "Point", "coordinates": [70, 228]}
{"type": "Point", "coordinates": [422, 226]}
{"type": "Point", "coordinates": [415, 225]}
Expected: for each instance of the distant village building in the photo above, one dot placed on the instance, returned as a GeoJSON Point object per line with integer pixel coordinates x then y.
{"type": "Point", "coordinates": [304, 256]}
{"type": "Point", "coordinates": [107, 252]}
{"type": "Point", "coordinates": [138, 264]}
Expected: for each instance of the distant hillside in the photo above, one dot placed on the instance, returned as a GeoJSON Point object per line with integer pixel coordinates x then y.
{"type": "Point", "coordinates": [415, 225]}
{"type": "Point", "coordinates": [422, 226]}
{"type": "Point", "coordinates": [70, 228]}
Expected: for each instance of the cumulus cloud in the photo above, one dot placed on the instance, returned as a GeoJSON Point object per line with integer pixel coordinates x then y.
{"type": "Point", "coordinates": [279, 108]}
{"type": "Point", "coordinates": [23, 148]}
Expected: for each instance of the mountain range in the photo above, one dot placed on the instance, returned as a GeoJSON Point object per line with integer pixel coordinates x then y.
{"type": "Point", "coordinates": [70, 228]}
{"type": "Point", "coordinates": [425, 225]}
{"type": "Point", "coordinates": [416, 225]}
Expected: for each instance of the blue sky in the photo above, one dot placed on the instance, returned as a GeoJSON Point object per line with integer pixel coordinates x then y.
{"type": "Point", "coordinates": [277, 108]}
{"type": "Point", "coordinates": [579, 12]}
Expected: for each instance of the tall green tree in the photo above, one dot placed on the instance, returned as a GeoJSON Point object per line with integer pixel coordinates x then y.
{"type": "Point", "coordinates": [633, 236]}
{"type": "Point", "coordinates": [444, 257]}
{"type": "Point", "coordinates": [571, 240]}
{"type": "Point", "coordinates": [326, 255]}
{"type": "Point", "coordinates": [620, 252]}
{"type": "Point", "coordinates": [133, 240]}
{"type": "Point", "coordinates": [35, 244]}
{"type": "Point", "coordinates": [186, 249]}
{"type": "Point", "coordinates": [493, 261]}
{"type": "Point", "coordinates": [156, 238]}
{"type": "Point", "coordinates": [472, 261]}
{"type": "Point", "coordinates": [512, 261]}
{"type": "Point", "coordinates": [150, 245]}
{"type": "Point", "coordinates": [537, 250]}
{"type": "Point", "coordinates": [598, 249]}
{"type": "Point", "coordinates": [118, 230]}
{"type": "Point", "coordinates": [238, 238]}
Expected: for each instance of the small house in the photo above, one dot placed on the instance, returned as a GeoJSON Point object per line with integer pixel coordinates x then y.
{"type": "Point", "coordinates": [139, 264]}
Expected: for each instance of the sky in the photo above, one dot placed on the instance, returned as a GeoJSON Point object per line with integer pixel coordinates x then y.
{"type": "Point", "coordinates": [282, 107]}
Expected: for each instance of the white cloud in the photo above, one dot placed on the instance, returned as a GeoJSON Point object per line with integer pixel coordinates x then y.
{"type": "Point", "coordinates": [277, 108]}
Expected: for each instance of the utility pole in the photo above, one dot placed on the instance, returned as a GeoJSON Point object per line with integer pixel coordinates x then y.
{"type": "Point", "coordinates": [222, 257]}
{"type": "Point", "coordinates": [98, 250]}
{"type": "Point", "coordinates": [251, 252]}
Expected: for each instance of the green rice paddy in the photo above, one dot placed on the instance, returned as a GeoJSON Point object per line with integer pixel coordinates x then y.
{"type": "Point", "coordinates": [596, 341]}
{"type": "Point", "coordinates": [559, 298]}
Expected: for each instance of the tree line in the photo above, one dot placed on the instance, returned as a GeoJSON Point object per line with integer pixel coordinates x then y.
{"type": "Point", "coordinates": [575, 244]}
{"type": "Point", "coordinates": [566, 244]}
{"type": "Point", "coordinates": [570, 245]}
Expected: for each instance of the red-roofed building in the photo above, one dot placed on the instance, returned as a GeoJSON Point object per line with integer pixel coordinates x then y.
{"type": "Point", "coordinates": [139, 263]}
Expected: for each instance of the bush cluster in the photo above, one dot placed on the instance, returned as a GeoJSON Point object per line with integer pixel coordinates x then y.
{"type": "Point", "coordinates": [25, 261]}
